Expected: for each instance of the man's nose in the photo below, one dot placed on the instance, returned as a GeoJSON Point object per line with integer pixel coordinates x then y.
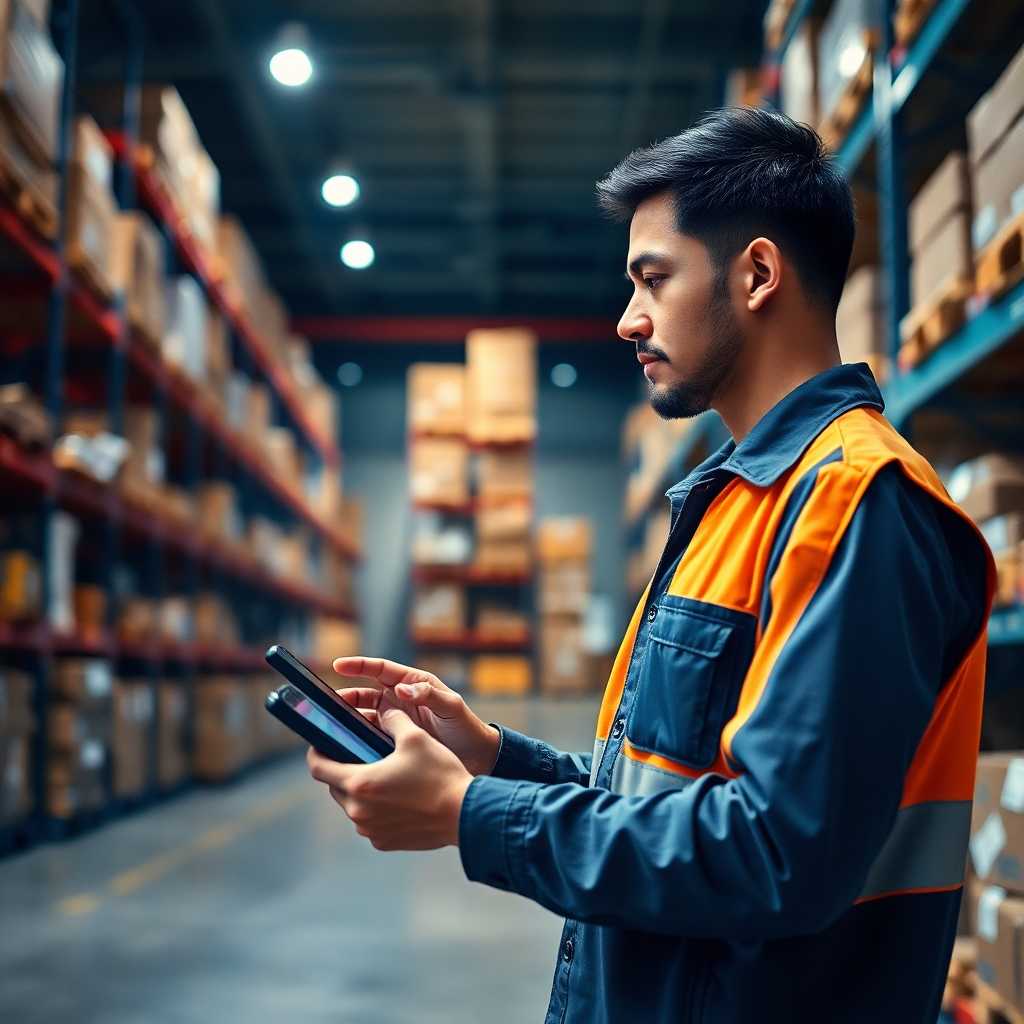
{"type": "Point", "coordinates": [634, 326]}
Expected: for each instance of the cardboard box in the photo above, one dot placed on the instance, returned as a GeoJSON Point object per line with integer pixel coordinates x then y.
{"type": "Point", "coordinates": [863, 338]}
{"type": "Point", "coordinates": [90, 609]}
{"type": "Point", "coordinates": [238, 264]}
{"type": "Point", "coordinates": [31, 80]}
{"type": "Point", "coordinates": [563, 661]}
{"type": "Point", "coordinates": [172, 759]}
{"type": "Point", "coordinates": [563, 539]}
{"type": "Point", "coordinates": [497, 622]}
{"type": "Point", "coordinates": [437, 398]}
{"type": "Point", "coordinates": [944, 260]}
{"type": "Point", "coordinates": [994, 496]}
{"type": "Point", "coordinates": [999, 926]}
{"type": "Point", "coordinates": [945, 193]}
{"type": "Point", "coordinates": [504, 522]}
{"type": "Point", "coordinates": [997, 821]}
{"type": "Point", "coordinates": [92, 155]}
{"type": "Point", "coordinates": [999, 187]}
{"type": "Point", "coordinates": [501, 384]}
{"type": "Point", "coordinates": [223, 728]}
{"type": "Point", "coordinates": [15, 778]}
{"type": "Point", "coordinates": [185, 331]}
{"type": "Point", "coordinates": [257, 412]}
{"type": "Point", "coordinates": [134, 714]}
{"type": "Point", "coordinates": [503, 475]}
{"type": "Point", "coordinates": [439, 471]}
{"type": "Point", "coordinates": [501, 675]}
{"type": "Point", "coordinates": [218, 510]}
{"type": "Point", "coordinates": [798, 83]}
{"type": "Point", "coordinates": [137, 267]}
{"type": "Point", "coordinates": [503, 556]}
{"type": "Point", "coordinates": [335, 638]}
{"type": "Point", "coordinates": [85, 681]}
{"type": "Point", "coordinates": [17, 717]}
{"type": "Point", "coordinates": [996, 111]}
{"type": "Point", "coordinates": [1004, 533]}
{"type": "Point", "coordinates": [564, 588]}
{"type": "Point", "coordinates": [441, 608]}
{"type": "Point", "coordinates": [21, 587]}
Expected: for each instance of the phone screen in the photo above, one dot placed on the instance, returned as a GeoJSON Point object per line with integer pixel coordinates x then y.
{"type": "Point", "coordinates": [328, 725]}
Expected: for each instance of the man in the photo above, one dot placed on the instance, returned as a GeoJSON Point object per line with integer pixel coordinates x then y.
{"type": "Point", "coordinates": [773, 823]}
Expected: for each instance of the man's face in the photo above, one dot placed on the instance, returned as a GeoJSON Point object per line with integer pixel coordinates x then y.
{"type": "Point", "coordinates": [680, 316]}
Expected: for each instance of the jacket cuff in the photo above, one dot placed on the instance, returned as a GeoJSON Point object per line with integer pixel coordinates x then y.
{"type": "Point", "coordinates": [522, 757]}
{"type": "Point", "coordinates": [492, 826]}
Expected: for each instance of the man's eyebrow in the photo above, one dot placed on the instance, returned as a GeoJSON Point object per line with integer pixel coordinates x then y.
{"type": "Point", "coordinates": [645, 259]}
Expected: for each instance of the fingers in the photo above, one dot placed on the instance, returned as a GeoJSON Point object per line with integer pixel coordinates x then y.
{"type": "Point", "coordinates": [399, 726]}
{"type": "Point", "coordinates": [332, 773]}
{"type": "Point", "coordinates": [387, 673]}
{"type": "Point", "coordinates": [445, 703]}
{"type": "Point", "coordinates": [360, 696]}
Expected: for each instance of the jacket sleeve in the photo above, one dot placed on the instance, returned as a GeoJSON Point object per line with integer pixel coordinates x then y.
{"type": "Point", "coordinates": [849, 666]}
{"type": "Point", "coordinates": [522, 757]}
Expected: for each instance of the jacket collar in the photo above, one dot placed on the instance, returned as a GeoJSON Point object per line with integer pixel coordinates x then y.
{"type": "Point", "coordinates": [785, 432]}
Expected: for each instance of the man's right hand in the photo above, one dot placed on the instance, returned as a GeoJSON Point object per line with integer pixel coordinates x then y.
{"type": "Point", "coordinates": [437, 708]}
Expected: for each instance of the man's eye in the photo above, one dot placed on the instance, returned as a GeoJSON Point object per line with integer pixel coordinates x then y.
{"type": "Point", "coordinates": [652, 282]}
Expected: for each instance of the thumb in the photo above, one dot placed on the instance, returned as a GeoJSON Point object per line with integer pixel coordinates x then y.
{"type": "Point", "coordinates": [397, 724]}
{"type": "Point", "coordinates": [443, 702]}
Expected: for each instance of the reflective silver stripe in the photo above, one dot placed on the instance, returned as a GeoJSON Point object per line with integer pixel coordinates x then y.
{"type": "Point", "coordinates": [633, 778]}
{"type": "Point", "coordinates": [926, 849]}
{"type": "Point", "coordinates": [596, 761]}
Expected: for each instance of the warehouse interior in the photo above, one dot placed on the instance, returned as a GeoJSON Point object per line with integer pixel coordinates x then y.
{"type": "Point", "coordinates": [309, 337]}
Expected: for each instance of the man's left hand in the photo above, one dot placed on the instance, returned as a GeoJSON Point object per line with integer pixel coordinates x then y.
{"type": "Point", "coordinates": [410, 800]}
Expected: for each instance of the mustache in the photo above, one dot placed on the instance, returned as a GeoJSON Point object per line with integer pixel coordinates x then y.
{"type": "Point", "coordinates": [643, 348]}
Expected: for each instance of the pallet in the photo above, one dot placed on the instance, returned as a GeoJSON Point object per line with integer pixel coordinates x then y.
{"type": "Point", "coordinates": [1000, 265]}
{"type": "Point", "coordinates": [909, 17]}
{"type": "Point", "coordinates": [836, 126]}
{"type": "Point", "coordinates": [930, 323]}
{"type": "Point", "coordinates": [991, 1008]}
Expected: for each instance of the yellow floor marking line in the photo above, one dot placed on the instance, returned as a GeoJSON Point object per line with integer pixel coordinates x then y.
{"type": "Point", "coordinates": [215, 838]}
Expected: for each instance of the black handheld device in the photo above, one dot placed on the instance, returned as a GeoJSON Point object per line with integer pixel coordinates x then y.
{"type": "Point", "coordinates": [322, 710]}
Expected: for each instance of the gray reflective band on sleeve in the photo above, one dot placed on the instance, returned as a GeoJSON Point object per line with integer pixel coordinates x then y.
{"type": "Point", "coordinates": [596, 760]}
{"type": "Point", "coordinates": [926, 849]}
{"type": "Point", "coordinates": [633, 778]}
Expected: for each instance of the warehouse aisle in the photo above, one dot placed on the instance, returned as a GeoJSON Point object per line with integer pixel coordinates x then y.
{"type": "Point", "coordinates": [258, 903]}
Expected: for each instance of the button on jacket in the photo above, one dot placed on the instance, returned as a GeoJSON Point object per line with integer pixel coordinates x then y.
{"type": "Point", "coordinates": [772, 826]}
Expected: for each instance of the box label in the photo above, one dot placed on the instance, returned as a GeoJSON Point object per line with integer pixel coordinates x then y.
{"type": "Point", "coordinates": [987, 843]}
{"type": "Point", "coordinates": [988, 912]}
{"type": "Point", "coordinates": [1013, 787]}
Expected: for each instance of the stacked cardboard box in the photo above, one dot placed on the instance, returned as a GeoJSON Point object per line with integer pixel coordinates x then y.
{"type": "Point", "coordinates": [995, 135]}
{"type": "Point", "coordinates": [31, 82]}
{"type": "Point", "coordinates": [996, 896]}
{"type": "Point", "coordinates": [439, 471]}
{"type": "Point", "coordinates": [137, 268]}
{"type": "Point", "coordinates": [860, 322]}
{"type": "Point", "coordinates": [134, 715]}
{"type": "Point", "coordinates": [334, 638]}
{"type": "Point", "coordinates": [21, 586]}
{"type": "Point", "coordinates": [17, 726]}
{"type": "Point", "coordinates": [563, 547]}
{"type": "Point", "coordinates": [501, 385]}
{"type": "Point", "coordinates": [501, 675]}
{"type": "Point", "coordinates": [186, 333]}
{"type": "Point", "coordinates": [504, 483]}
{"type": "Point", "coordinates": [648, 444]}
{"type": "Point", "coordinates": [990, 489]}
{"type": "Point", "coordinates": [940, 233]}
{"type": "Point", "coordinates": [439, 610]}
{"type": "Point", "coordinates": [223, 728]}
{"type": "Point", "coordinates": [91, 208]}
{"type": "Point", "coordinates": [437, 399]}
{"type": "Point", "coordinates": [78, 736]}
{"type": "Point", "coordinates": [172, 724]}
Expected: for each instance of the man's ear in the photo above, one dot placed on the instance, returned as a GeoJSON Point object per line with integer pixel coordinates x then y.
{"type": "Point", "coordinates": [762, 270]}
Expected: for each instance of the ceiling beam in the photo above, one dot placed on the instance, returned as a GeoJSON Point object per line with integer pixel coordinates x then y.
{"type": "Point", "coordinates": [446, 330]}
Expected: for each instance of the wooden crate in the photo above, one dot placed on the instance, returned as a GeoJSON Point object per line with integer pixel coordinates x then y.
{"type": "Point", "coordinates": [1000, 265]}
{"type": "Point", "coordinates": [930, 323]}
{"type": "Point", "coordinates": [29, 188]}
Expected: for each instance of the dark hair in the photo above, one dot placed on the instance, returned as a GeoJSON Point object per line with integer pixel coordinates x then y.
{"type": "Point", "coordinates": [740, 172]}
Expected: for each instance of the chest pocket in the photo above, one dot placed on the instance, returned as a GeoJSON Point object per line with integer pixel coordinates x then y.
{"type": "Point", "coordinates": [697, 655]}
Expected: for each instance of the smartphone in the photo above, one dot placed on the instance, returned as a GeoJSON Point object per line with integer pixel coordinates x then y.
{"type": "Point", "coordinates": [325, 711]}
{"type": "Point", "coordinates": [316, 727]}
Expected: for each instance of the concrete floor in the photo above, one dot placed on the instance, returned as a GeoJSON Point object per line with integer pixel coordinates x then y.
{"type": "Point", "coordinates": [258, 902]}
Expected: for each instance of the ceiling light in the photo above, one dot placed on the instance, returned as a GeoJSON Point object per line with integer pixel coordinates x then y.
{"type": "Point", "coordinates": [564, 375]}
{"type": "Point", "coordinates": [851, 58]}
{"type": "Point", "coordinates": [349, 374]}
{"type": "Point", "coordinates": [291, 67]}
{"type": "Point", "coordinates": [340, 190]}
{"type": "Point", "coordinates": [357, 254]}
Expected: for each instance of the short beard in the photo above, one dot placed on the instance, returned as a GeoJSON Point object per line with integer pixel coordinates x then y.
{"type": "Point", "coordinates": [694, 396]}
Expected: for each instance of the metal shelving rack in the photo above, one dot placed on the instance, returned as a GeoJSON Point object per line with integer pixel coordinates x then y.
{"type": "Point", "coordinates": [76, 322]}
{"type": "Point", "coordinates": [991, 325]}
